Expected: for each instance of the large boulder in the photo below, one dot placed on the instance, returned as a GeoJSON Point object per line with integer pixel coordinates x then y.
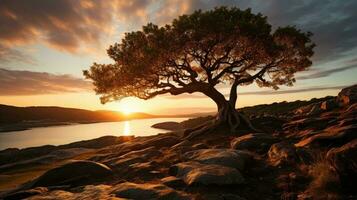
{"type": "Point", "coordinates": [226, 157]}
{"type": "Point", "coordinates": [74, 173]}
{"type": "Point", "coordinates": [348, 95]}
{"type": "Point", "coordinates": [253, 141]}
{"type": "Point", "coordinates": [282, 153]}
{"type": "Point", "coordinates": [344, 160]}
{"type": "Point", "coordinates": [147, 191]}
{"type": "Point", "coordinates": [195, 173]}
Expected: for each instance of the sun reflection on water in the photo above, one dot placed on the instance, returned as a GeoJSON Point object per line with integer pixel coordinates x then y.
{"type": "Point", "coordinates": [127, 128]}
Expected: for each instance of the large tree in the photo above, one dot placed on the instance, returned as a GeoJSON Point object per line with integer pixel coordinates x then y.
{"type": "Point", "coordinates": [196, 52]}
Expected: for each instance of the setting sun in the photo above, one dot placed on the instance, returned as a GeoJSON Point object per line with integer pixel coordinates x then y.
{"type": "Point", "coordinates": [128, 106]}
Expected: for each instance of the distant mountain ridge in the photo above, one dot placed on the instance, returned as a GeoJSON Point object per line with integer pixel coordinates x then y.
{"type": "Point", "coordinates": [13, 114]}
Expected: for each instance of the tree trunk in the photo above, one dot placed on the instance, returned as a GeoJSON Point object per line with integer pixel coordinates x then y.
{"type": "Point", "coordinates": [227, 116]}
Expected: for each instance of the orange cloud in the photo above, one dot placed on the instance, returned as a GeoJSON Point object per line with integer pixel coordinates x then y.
{"type": "Point", "coordinates": [15, 82]}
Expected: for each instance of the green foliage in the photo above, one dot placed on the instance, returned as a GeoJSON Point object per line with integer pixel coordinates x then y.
{"type": "Point", "coordinates": [198, 51]}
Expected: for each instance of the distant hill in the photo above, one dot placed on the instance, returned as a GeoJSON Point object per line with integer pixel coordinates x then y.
{"type": "Point", "coordinates": [13, 114]}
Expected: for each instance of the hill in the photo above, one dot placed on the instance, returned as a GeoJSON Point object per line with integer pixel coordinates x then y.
{"type": "Point", "coordinates": [20, 118]}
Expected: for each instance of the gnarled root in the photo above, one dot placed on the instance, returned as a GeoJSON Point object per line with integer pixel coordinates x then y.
{"type": "Point", "coordinates": [225, 117]}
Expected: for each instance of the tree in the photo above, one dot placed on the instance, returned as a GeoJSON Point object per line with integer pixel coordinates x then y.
{"type": "Point", "coordinates": [197, 52]}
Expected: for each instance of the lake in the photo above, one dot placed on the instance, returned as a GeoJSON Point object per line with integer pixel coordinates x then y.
{"type": "Point", "coordinates": [57, 135]}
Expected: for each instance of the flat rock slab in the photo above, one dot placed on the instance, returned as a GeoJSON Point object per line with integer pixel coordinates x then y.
{"type": "Point", "coordinates": [147, 191]}
{"type": "Point", "coordinates": [332, 134]}
{"type": "Point", "coordinates": [92, 192]}
{"type": "Point", "coordinates": [253, 141]}
{"type": "Point", "coordinates": [172, 181]}
{"type": "Point", "coordinates": [132, 158]}
{"type": "Point", "coordinates": [225, 157]}
{"type": "Point", "coordinates": [121, 191]}
{"type": "Point", "coordinates": [195, 173]}
{"type": "Point", "coordinates": [24, 193]}
{"type": "Point", "coordinates": [74, 173]}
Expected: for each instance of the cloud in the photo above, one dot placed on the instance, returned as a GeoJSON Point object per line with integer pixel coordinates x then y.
{"type": "Point", "coordinates": [311, 89]}
{"type": "Point", "coordinates": [72, 26]}
{"type": "Point", "coordinates": [326, 73]}
{"type": "Point", "coordinates": [7, 55]}
{"type": "Point", "coordinates": [65, 25]}
{"type": "Point", "coordinates": [14, 82]}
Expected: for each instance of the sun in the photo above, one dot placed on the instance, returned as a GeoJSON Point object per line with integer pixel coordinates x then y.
{"type": "Point", "coordinates": [128, 106]}
{"type": "Point", "coordinates": [126, 110]}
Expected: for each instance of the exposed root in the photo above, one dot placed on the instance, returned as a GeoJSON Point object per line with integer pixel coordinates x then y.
{"type": "Point", "coordinates": [203, 129]}
{"type": "Point", "coordinates": [234, 120]}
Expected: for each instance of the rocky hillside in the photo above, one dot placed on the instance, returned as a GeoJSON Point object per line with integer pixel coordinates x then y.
{"type": "Point", "coordinates": [305, 152]}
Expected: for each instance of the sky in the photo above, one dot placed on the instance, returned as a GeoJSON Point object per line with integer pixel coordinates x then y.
{"type": "Point", "coordinates": [45, 45]}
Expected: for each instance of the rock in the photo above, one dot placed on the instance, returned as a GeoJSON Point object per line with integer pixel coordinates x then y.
{"type": "Point", "coordinates": [348, 95]}
{"type": "Point", "coordinates": [225, 157]}
{"type": "Point", "coordinates": [161, 141]}
{"type": "Point", "coordinates": [195, 173]}
{"type": "Point", "coordinates": [282, 153]}
{"type": "Point", "coordinates": [133, 157]}
{"type": "Point", "coordinates": [331, 135]}
{"type": "Point", "coordinates": [168, 126]}
{"type": "Point", "coordinates": [200, 146]}
{"type": "Point", "coordinates": [253, 141]}
{"type": "Point", "coordinates": [173, 181]}
{"type": "Point", "coordinates": [25, 193]}
{"type": "Point", "coordinates": [328, 105]}
{"type": "Point", "coordinates": [94, 192]}
{"type": "Point", "coordinates": [74, 173]}
{"type": "Point", "coordinates": [303, 110]}
{"type": "Point", "coordinates": [147, 191]}
{"type": "Point", "coordinates": [46, 159]}
{"type": "Point", "coordinates": [223, 197]}
{"type": "Point", "coordinates": [231, 197]}
{"type": "Point", "coordinates": [183, 146]}
{"type": "Point", "coordinates": [344, 161]}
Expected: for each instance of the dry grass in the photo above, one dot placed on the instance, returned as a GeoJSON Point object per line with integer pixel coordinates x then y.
{"type": "Point", "coordinates": [325, 182]}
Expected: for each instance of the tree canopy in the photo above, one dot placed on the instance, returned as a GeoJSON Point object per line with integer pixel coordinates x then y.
{"type": "Point", "coordinates": [198, 51]}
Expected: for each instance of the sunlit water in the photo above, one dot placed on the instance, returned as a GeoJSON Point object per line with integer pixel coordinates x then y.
{"type": "Point", "coordinates": [57, 135]}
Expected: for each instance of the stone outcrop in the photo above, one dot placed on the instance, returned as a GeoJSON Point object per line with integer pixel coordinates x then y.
{"type": "Point", "coordinates": [74, 173]}
{"type": "Point", "coordinates": [253, 141]}
{"type": "Point", "coordinates": [195, 173]}
{"type": "Point", "coordinates": [225, 157]}
{"type": "Point", "coordinates": [344, 161]}
{"type": "Point", "coordinates": [282, 153]}
{"type": "Point", "coordinates": [331, 135]}
{"type": "Point", "coordinates": [147, 191]}
{"type": "Point", "coordinates": [348, 96]}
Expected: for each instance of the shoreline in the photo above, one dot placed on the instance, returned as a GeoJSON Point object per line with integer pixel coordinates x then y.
{"type": "Point", "coordinates": [22, 126]}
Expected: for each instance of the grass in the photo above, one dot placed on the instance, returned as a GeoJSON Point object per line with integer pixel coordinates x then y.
{"type": "Point", "coordinates": [325, 182]}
